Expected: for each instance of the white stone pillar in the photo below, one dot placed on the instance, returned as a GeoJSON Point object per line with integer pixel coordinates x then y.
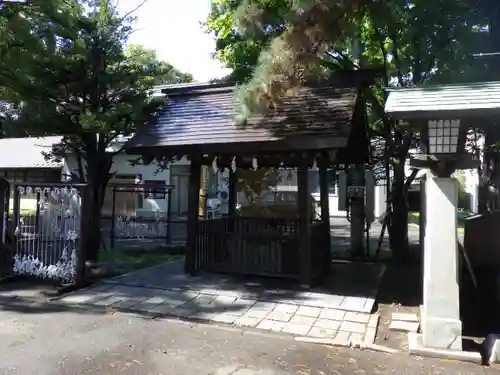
{"type": "Point", "coordinates": [441, 323]}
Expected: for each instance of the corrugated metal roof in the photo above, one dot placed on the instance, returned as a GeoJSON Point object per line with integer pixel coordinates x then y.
{"type": "Point", "coordinates": [465, 99]}
{"type": "Point", "coordinates": [26, 153]}
{"type": "Point", "coordinates": [206, 114]}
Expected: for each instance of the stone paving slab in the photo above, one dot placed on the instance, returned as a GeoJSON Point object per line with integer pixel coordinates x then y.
{"type": "Point", "coordinates": [291, 318]}
{"type": "Point", "coordinates": [353, 287]}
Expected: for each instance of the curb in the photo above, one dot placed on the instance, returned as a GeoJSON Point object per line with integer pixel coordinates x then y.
{"type": "Point", "coordinates": [415, 347]}
{"type": "Point", "coordinates": [347, 344]}
{"type": "Point", "coordinates": [371, 331]}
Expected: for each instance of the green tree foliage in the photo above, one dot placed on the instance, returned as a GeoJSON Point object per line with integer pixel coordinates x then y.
{"type": "Point", "coordinates": [236, 50]}
{"type": "Point", "coordinates": [161, 71]}
{"type": "Point", "coordinates": [413, 42]}
{"type": "Point", "coordinates": [67, 72]}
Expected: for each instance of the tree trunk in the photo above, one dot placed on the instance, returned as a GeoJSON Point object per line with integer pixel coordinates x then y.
{"type": "Point", "coordinates": [398, 221]}
{"type": "Point", "coordinates": [94, 231]}
{"type": "Point", "coordinates": [97, 180]}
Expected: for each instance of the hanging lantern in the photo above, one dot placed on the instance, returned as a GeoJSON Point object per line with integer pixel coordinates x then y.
{"type": "Point", "coordinates": [233, 165]}
{"type": "Point", "coordinates": [255, 164]}
{"type": "Point", "coordinates": [215, 167]}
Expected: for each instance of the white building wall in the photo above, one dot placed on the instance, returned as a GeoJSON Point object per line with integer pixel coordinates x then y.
{"type": "Point", "coordinates": [122, 165]}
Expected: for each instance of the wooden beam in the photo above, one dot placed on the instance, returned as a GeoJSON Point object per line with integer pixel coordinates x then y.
{"type": "Point", "coordinates": [202, 201]}
{"type": "Point", "coordinates": [323, 189]}
{"type": "Point", "coordinates": [325, 213]}
{"type": "Point", "coordinates": [316, 143]}
{"type": "Point", "coordinates": [233, 194]}
{"type": "Point", "coordinates": [304, 224]}
{"type": "Point", "coordinates": [4, 208]}
{"type": "Point", "coordinates": [192, 219]}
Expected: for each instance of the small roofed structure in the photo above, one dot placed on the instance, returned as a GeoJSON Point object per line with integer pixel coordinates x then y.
{"type": "Point", "coordinates": [315, 125]}
{"type": "Point", "coordinates": [465, 101]}
{"type": "Point", "coordinates": [442, 115]}
{"type": "Point", "coordinates": [25, 159]}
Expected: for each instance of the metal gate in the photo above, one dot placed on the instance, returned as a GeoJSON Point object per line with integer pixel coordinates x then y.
{"type": "Point", "coordinates": [140, 215]}
{"type": "Point", "coordinates": [46, 221]}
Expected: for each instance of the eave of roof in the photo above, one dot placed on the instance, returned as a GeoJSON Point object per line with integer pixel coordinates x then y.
{"type": "Point", "coordinates": [28, 153]}
{"type": "Point", "coordinates": [447, 101]}
{"type": "Point", "coordinates": [203, 115]}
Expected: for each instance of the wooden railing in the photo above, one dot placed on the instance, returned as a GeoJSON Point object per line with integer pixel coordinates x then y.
{"type": "Point", "coordinates": [250, 246]}
{"type": "Point", "coordinates": [319, 242]}
{"type": "Point", "coordinates": [259, 246]}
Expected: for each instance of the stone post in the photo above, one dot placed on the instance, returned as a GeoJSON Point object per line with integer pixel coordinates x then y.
{"type": "Point", "coordinates": [441, 325]}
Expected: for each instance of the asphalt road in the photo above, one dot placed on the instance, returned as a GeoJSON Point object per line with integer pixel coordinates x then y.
{"type": "Point", "coordinates": [36, 338]}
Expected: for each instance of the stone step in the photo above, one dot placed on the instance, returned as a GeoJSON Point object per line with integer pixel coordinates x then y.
{"type": "Point", "coordinates": [402, 326]}
{"type": "Point", "coordinates": [405, 317]}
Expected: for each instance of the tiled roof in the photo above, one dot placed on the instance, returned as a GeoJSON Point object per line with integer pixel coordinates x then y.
{"type": "Point", "coordinates": [206, 114]}
{"type": "Point", "coordinates": [25, 153]}
{"type": "Point", "coordinates": [474, 99]}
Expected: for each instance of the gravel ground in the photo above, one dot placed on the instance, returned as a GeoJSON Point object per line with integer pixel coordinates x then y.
{"type": "Point", "coordinates": [36, 337]}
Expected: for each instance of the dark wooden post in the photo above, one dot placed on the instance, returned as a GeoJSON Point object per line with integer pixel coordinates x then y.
{"type": "Point", "coordinates": [82, 242]}
{"type": "Point", "coordinates": [232, 198]}
{"type": "Point", "coordinates": [169, 215]}
{"type": "Point", "coordinates": [4, 209]}
{"type": "Point", "coordinates": [325, 212]}
{"type": "Point", "coordinates": [16, 216]}
{"type": "Point", "coordinates": [37, 217]}
{"type": "Point", "coordinates": [323, 191]}
{"type": "Point", "coordinates": [304, 221]}
{"type": "Point", "coordinates": [192, 216]}
{"type": "Point", "coordinates": [113, 219]}
{"type": "Point", "coordinates": [202, 190]}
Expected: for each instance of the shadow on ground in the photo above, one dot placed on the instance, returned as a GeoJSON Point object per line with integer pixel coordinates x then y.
{"type": "Point", "coordinates": [358, 280]}
{"type": "Point", "coordinates": [155, 291]}
{"type": "Point", "coordinates": [480, 306]}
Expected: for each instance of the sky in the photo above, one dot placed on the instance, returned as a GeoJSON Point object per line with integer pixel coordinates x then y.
{"type": "Point", "coordinates": [172, 28]}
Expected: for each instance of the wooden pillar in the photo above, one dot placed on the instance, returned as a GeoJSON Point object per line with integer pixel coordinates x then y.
{"type": "Point", "coordinates": [325, 213]}
{"type": "Point", "coordinates": [323, 191]}
{"type": "Point", "coordinates": [232, 198]}
{"type": "Point", "coordinates": [192, 216]}
{"type": "Point", "coordinates": [16, 215]}
{"type": "Point", "coordinates": [202, 190]}
{"type": "Point", "coordinates": [83, 240]}
{"type": "Point", "coordinates": [4, 208]}
{"type": "Point", "coordinates": [304, 221]}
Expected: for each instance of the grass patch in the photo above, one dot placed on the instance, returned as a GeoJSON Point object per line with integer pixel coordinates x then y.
{"type": "Point", "coordinates": [413, 218]}
{"type": "Point", "coordinates": [138, 259]}
{"type": "Point", "coordinates": [24, 212]}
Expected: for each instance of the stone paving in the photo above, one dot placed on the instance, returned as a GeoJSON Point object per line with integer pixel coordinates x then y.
{"type": "Point", "coordinates": [351, 287]}
{"type": "Point", "coordinates": [340, 309]}
{"type": "Point", "coordinates": [290, 317]}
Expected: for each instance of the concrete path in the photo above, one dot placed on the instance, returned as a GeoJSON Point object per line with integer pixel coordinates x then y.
{"type": "Point", "coordinates": [219, 299]}
{"type": "Point", "coordinates": [340, 237]}
{"type": "Point", "coordinates": [41, 339]}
